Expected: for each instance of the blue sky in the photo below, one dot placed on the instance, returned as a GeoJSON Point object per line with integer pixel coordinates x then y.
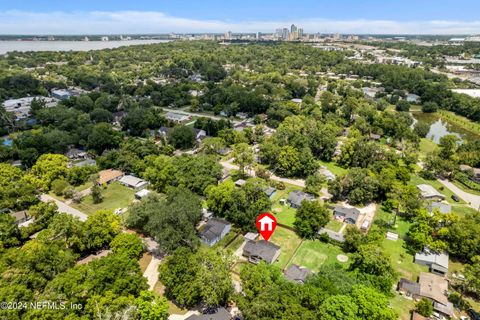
{"type": "Point", "coordinates": [148, 16]}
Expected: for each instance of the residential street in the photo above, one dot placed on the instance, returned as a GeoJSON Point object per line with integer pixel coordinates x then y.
{"type": "Point", "coordinates": [63, 207]}
{"type": "Point", "coordinates": [473, 200]}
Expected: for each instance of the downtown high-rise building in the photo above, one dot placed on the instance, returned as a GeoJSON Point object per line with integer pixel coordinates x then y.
{"type": "Point", "coordinates": [293, 28]}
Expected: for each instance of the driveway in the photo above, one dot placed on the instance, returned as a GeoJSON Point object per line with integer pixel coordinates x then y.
{"type": "Point", "coordinates": [151, 273]}
{"type": "Point", "coordinates": [296, 182]}
{"type": "Point", "coordinates": [472, 199]}
{"type": "Point", "coordinates": [63, 207]}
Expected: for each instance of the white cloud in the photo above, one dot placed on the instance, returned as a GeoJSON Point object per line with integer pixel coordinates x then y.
{"type": "Point", "coordinates": [131, 22]}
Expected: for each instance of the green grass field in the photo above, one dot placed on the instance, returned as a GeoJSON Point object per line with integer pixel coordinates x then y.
{"type": "Point", "coordinates": [288, 241]}
{"type": "Point", "coordinates": [313, 254]}
{"type": "Point", "coordinates": [333, 167]}
{"type": "Point", "coordinates": [402, 261]}
{"type": "Point", "coordinates": [334, 225]}
{"type": "Point", "coordinates": [284, 213]}
{"type": "Point", "coordinates": [427, 146]}
{"type": "Point", "coordinates": [402, 306]}
{"type": "Point", "coordinates": [114, 196]}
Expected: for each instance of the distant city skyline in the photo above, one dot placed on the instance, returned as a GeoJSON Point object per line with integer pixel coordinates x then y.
{"type": "Point", "coordinates": [214, 16]}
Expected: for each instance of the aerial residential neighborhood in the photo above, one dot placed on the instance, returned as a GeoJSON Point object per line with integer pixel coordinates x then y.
{"type": "Point", "coordinates": [156, 165]}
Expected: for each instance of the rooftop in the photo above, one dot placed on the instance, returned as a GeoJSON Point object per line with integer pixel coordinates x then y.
{"type": "Point", "coordinates": [214, 228]}
{"type": "Point", "coordinates": [108, 175]}
{"type": "Point", "coordinates": [427, 191]}
{"type": "Point", "coordinates": [297, 274]}
{"type": "Point", "coordinates": [262, 249]}
{"type": "Point", "coordinates": [433, 287]}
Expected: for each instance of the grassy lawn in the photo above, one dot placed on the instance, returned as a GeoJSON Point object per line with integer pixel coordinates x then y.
{"type": "Point", "coordinates": [236, 243]}
{"type": "Point", "coordinates": [427, 146]}
{"type": "Point", "coordinates": [84, 186]}
{"type": "Point", "coordinates": [333, 167]}
{"type": "Point", "coordinates": [284, 213]}
{"type": "Point", "coordinates": [416, 180]}
{"type": "Point", "coordinates": [229, 237]}
{"type": "Point", "coordinates": [402, 261]}
{"type": "Point", "coordinates": [465, 188]}
{"type": "Point", "coordinates": [463, 210]}
{"type": "Point", "coordinates": [313, 254]}
{"type": "Point", "coordinates": [145, 261]}
{"type": "Point", "coordinates": [114, 196]}
{"type": "Point", "coordinates": [383, 218]}
{"type": "Point", "coordinates": [172, 307]}
{"type": "Point", "coordinates": [402, 306]}
{"type": "Point", "coordinates": [289, 241]}
{"type": "Point", "coordinates": [334, 225]}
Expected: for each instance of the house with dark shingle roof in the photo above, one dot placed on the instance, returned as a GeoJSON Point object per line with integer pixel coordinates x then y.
{"type": "Point", "coordinates": [270, 191]}
{"type": "Point", "coordinates": [214, 231]}
{"type": "Point", "coordinates": [348, 215]}
{"type": "Point", "coordinates": [297, 274]}
{"type": "Point", "coordinates": [219, 314]}
{"type": "Point", "coordinates": [256, 251]}
{"type": "Point", "coordinates": [296, 197]}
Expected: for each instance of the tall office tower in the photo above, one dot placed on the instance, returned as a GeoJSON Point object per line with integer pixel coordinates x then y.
{"type": "Point", "coordinates": [228, 35]}
{"type": "Point", "coordinates": [300, 32]}
{"type": "Point", "coordinates": [293, 28]}
{"type": "Point", "coordinates": [285, 33]}
{"type": "Point", "coordinates": [279, 32]}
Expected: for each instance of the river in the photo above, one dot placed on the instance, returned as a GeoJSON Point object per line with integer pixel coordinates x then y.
{"type": "Point", "coordinates": [23, 46]}
{"type": "Point", "coordinates": [440, 127]}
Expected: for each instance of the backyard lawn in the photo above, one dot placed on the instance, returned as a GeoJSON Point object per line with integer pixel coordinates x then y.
{"type": "Point", "coordinates": [402, 306]}
{"type": "Point", "coordinates": [402, 261]}
{"type": "Point", "coordinates": [427, 146]}
{"type": "Point", "coordinates": [288, 241]}
{"type": "Point", "coordinates": [284, 213]}
{"type": "Point", "coordinates": [313, 254]}
{"type": "Point", "coordinates": [333, 167]}
{"type": "Point", "coordinates": [114, 196]}
{"type": "Point", "coordinates": [334, 225]}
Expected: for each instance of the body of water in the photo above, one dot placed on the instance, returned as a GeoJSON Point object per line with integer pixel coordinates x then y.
{"type": "Point", "coordinates": [23, 46]}
{"type": "Point", "coordinates": [440, 127]}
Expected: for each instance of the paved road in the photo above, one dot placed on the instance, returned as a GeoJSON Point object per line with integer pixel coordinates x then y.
{"type": "Point", "coordinates": [63, 207]}
{"type": "Point", "coordinates": [151, 273]}
{"type": "Point", "coordinates": [472, 199]}
{"type": "Point", "coordinates": [298, 182]}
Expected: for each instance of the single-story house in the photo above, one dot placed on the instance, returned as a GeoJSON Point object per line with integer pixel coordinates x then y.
{"type": "Point", "coordinates": [270, 191]}
{"type": "Point", "coordinates": [256, 251]}
{"type": "Point", "coordinates": [413, 98]}
{"type": "Point", "coordinates": [219, 314]}
{"type": "Point", "coordinates": [76, 154]}
{"type": "Point", "coordinates": [20, 216]}
{"type": "Point", "coordinates": [133, 182]}
{"type": "Point", "coordinates": [109, 176]}
{"type": "Point", "coordinates": [64, 94]}
{"type": "Point", "coordinates": [348, 215]}
{"type": "Point", "coordinates": [215, 230]}
{"type": "Point", "coordinates": [409, 288]}
{"type": "Point", "coordinates": [430, 193]}
{"type": "Point", "coordinates": [297, 274]}
{"type": "Point", "coordinates": [240, 183]}
{"type": "Point", "coordinates": [224, 151]}
{"type": "Point", "coordinates": [142, 194]}
{"type": "Point", "coordinates": [296, 197]}
{"type": "Point", "coordinates": [375, 136]}
{"type": "Point", "coordinates": [225, 175]}
{"type": "Point", "coordinates": [164, 131]}
{"type": "Point", "coordinates": [441, 207]}
{"type": "Point", "coordinates": [177, 117]}
{"type": "Point", "coordinates": [436, 261]}
{"type": "Point", "coordinates": [242, 115]}
{"type": "Point", "coordinates": [199, 134]}
{"type": "Point", "coordinates": [432, 287]}
{"type": "Point", "coordinates": [337, 236]}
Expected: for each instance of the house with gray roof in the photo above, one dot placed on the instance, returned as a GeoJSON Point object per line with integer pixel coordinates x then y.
{"type": "Point", "coordinates": [214, 231]}
{"type": "Point", "coordinates": [297, 274]}
{"type": "Point", "coordinates": [256, 251]}
{"type": "Point", "coordinates": [270, 191]}
{"type": "Point", "coordinates": [296, 197]}
{"type": "Point", "coordinates": [430, 193]}
{"type": "Point", "coordinates": [219, 314]}
{"type": "Point", "coordinates": [177, 117]}
{"type": "Point", "coordinates": [133, 182]}
{"type": "Point", "coordinates": [441, 207]}
{"type": "Point", "coordinates": [348, 215]}
{"type": "Point", "coordinates": [436, 261]}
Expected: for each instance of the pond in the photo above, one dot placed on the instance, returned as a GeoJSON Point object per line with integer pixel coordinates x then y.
{"type": "Point", "coordinates": [441, 127]}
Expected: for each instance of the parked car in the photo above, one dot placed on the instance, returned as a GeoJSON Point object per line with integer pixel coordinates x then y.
{"type": "Point", "coordinates": [455, 198]}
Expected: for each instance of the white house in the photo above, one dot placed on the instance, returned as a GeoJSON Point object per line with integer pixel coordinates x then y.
{"type": "Point", "coordinates": [133, 182]}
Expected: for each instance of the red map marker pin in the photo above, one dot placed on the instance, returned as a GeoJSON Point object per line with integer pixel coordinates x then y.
{"type": "Point", "coordinates": [266, 224]}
